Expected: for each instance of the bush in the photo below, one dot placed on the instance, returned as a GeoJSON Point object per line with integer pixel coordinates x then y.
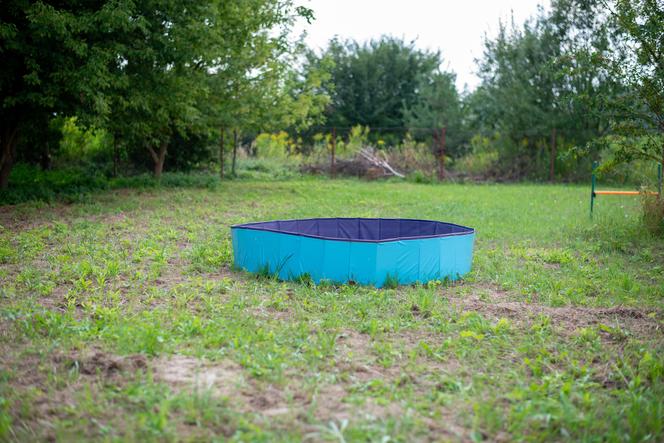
{"type": "Point", "coordinates": [29, 183]}
{"type": "Point", "coordinates": [653, 214]}
{"type": "Point", "coordinates": [411, 156]}
{"type": "Point", "coordinates": [479, 164]}
{"type": "Point", "coordinates": [277, 145]}
{"type": "Point", "coordinates": [420, 177]}
{"type": "Point", "coordinates": [268, 169]}
{"type": "Point", "coordinates": [481, 161]}
{"type": "Point", "coordinates": [637, 172]}
{"type": "Point", "coordinates": [83, 148]}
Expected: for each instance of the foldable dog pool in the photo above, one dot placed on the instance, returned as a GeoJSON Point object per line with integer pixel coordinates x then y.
{"type": "Point", "coordinates": [370, 251]}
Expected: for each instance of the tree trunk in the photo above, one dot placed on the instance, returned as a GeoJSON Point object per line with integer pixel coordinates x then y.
{"type": "Point", "coordinates": [441, 154]}
{"type": "Point", "coordinates": [221, 153]}
{"type": "Point", "coordinates": [7, 155]}
{"type": "Point", "coordinates": [158, 158]}
{"type": "Point", "coordinates": [661, 174]}
{"type": "Point", "coordinates": [116, 156]}
{"type": "Point", "coordinates": [554, 154]}
{"type": "Point", "coordinates": [45, 161]}
{"type": "Point", "coordinates": [235, 143]}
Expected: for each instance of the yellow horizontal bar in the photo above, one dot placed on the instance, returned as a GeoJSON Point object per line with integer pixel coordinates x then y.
{"type": "Point", "coordinates": [624, 193]}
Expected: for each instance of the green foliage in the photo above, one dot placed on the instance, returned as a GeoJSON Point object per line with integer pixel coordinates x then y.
{"type": "Point", "coordinates": [277, 145]}
{"type": "Point", "coordinates": [358, 138]}
{"type": "Point", "coordinates": [412, 155]}
{"type": "Point", "coordinates": [269, 169]}
{"type": "Point", "coordinates": [157, 76]}
{"type": "Point", "coordinates": [540, 88]}
{"type": "Point", "coordinates": [87, 150]}
{"type": "Point", "coordinates": [29, 183]}
{"type": "Point", "coordinates": [437, 106]}
{"type": "Point", "coordinates": [653, 214]}
{"type": "Point", "coordinates": [638, 171]}
{"type": "Point", "coordinates": [257, 89]}
{"type": "Point", "coordinates": [79, 143]}
{"type": "Point", "coordinates": [420, 177]}
{"type": "Point", "coordinates": [53, 64]}
{"type": "Point", "coordinates": [482, 159]}
{"type": "Point", "coordinates": [372, 83]}
{"type": "Point", "coordinates": [638, 62]}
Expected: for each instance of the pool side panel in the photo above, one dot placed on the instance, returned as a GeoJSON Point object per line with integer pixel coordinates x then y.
{"type": "Point", "coordinates": [362, 264]}
{"type": "Point", "coordinates": [456, 256]}
{"type": "Point", "coordinates": [336, 260]}
{"type": "Point", "coordinates": [464, 255]}
{"type": "Point", "coordinates": [368, 263]}
{"type": "Point", "coordinates": [289, 249]}
{"type": "Point", "coordinates": [311, 257]}
{"type": "Point", "coordinates": [429, 260]}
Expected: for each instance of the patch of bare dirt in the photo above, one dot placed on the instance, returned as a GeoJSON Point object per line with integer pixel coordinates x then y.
{"type": "Point", "coordinates": [32, 382]}
{"type": "Point", "coordinates": [292, 403]}
{"type": "Point", "coordinates": [109, 365]}
{"type": "Point", "coordinates": [326, 401]}
{"type": "Point", "coordinates": [25, 370]}
{"type": "Point", "coordinates": [328, 404]}
{"type": "Point", "coordinates": [222, 378]}
{"type": "Point", "coordinates": [227, 379]}
{"type": "Point", "coordinates": [641, 322]}
{"type": "Point", "coordinates": [351, 343]}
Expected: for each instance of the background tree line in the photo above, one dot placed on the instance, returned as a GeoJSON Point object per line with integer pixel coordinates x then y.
{"type": "Point", "coordinates": [157, 77]}
{"type": "Point", "coordinates": [178, 85]}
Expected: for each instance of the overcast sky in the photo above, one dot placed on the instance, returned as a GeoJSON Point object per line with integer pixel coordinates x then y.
{"type": "Point", "coordinates": [456, 27]}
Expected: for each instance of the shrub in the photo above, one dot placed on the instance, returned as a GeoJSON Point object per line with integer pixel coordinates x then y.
{"type": "Point", "coordinates": [357, 139]}
{"type": "Point", "coordinates": [276, 145]}
{"type": "Point", "coordinates": [411, 156]}
{"type": "Point", "coordinates": [28, 182]}
{"type": "Point", "coordinates": [268, 169]}
{"type": "Point", "coordinates": [79, 143]}
{"type": "Point", "coordinates": [420, 177]}
{"type": "Point", "coordinates": [653, 214]}
{"type": "Point", "coordinates": [482, 159]}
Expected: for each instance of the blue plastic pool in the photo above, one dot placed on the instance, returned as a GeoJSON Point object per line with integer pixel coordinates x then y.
{"type": "Point", "coordinates": [367, 251]}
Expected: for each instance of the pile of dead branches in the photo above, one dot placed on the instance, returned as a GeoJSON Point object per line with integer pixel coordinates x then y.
{"type": "Point", "coordinates": [367, 163]}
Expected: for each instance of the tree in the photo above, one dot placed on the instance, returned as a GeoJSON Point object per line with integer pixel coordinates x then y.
{"type": "Point", "coordinates": [160, 74]}
{"type": "Point", "coordinates": [50, 66]}
{"type": "Point", "coordinates": [141, 70]}
{"type": "Point", "coordinates": [539, 85]}
{"type": "Point", "coordinates": [371, 84]}
{"type": "Point", "coordinates": [638, 62]}
{"type": "Point", "coordinates": [438, 109]}
{"type": "Point", "coordinates": [253, 84]}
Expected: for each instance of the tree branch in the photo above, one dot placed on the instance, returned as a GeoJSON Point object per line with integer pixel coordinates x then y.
{"type": "Point", "coordinates": [155, 156]}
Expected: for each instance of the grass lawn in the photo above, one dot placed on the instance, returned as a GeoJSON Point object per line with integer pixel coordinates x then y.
{"type": "Point", "coordinates": [121, 318]}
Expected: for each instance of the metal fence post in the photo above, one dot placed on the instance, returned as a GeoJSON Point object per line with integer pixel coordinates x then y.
{"type": "Point", "coordinates": [441, 152]}
{"type": "Point", "coordinates": [592, 189]}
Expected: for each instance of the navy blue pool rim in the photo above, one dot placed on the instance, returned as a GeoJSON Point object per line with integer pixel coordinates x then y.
{"type": "Point", "coordinates": [363, 250]}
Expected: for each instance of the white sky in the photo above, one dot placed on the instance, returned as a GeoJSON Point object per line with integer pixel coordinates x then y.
{"type": "Point", "coordinates": [455, 27]}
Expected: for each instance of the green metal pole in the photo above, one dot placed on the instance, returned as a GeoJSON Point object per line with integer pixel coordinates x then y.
{"type": "Point", "coordinates": [592, 189]}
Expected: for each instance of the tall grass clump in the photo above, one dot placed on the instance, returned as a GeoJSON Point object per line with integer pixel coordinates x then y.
{"type": "Point", "coordinates": [653, 214]}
